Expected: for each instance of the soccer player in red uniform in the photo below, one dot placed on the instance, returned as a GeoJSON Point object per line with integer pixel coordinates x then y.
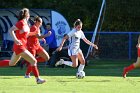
{"type": "Point", "coordinates": [19, 33]}
{"type": "Point", "coordinates": [34, 46]}
{"type": "Point", "coordinates": [134, 65]}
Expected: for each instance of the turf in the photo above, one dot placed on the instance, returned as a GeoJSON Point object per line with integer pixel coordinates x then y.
{"type": "Point", "coordinates": [102, 76]}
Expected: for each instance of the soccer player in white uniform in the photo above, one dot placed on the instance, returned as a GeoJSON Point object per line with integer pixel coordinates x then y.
{"type": "Point", "coordinates": [74, 50]}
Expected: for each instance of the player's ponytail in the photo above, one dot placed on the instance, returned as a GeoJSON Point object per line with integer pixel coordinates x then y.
{"type": "Point", "coordinates": [23, 13]}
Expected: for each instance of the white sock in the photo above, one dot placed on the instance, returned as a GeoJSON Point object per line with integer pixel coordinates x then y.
{"type": "Point", "coordinates": [68, 63]}
{"type": "Point", "coordinates": [81, 67]}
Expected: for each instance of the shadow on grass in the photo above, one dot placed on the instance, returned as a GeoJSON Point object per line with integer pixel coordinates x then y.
{"type": "Point", "coordinates": [7, 77]}
{"type": "Point", "coordinates": [84, 81]}
{"type": "Point", "coordinates": [98, 81]}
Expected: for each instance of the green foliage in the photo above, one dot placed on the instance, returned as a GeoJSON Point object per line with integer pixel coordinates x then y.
{"type": "Point", "coordinates": [121, 15]}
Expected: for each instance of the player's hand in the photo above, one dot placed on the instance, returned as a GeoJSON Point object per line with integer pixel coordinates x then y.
{"type": "Point", "coordinates": [59, 49]}
{"type": "Point", "coordinates": [95, 46]}
{"type": "Point", "coordinates": [33, 33]}
{"type": "Point", "coordinates": [49, 33]}
{"type": "Point", "coordinates": [138, 45]}
{"type": "Point", "coordinates": [44, 40]}
{"type": "Point", "coordinates": [18, 42]}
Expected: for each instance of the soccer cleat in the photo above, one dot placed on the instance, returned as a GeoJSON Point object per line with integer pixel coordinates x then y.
{"type": "Point", "coordinates": [27, 76]}
{"type": "Point", "coordinates": [60, 62]}
{"type": "Point", "coordinates": [40, 81]}
{"type": "Point", "coordinates": [124, 73]}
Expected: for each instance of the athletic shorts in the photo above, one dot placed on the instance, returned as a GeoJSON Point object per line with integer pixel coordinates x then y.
{"type": "Point", "coordinates": [35, 51]}
{"type": "Point", "coordinates": [19, 49]}
{"type": "Point", "coordinates": [74, 51]}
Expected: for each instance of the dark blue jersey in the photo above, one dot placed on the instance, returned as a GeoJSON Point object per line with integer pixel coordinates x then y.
{"type": "Point", "coordinates": [51, 40]}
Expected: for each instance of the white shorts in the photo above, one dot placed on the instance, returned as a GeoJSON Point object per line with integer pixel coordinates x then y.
{"type": "Point", "coordinates": [74, 51]}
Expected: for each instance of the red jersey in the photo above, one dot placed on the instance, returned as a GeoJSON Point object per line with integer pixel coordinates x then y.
{"type": "Point", "coordinates": [33, 41]}
{"type": "Point", "coordinates": [21, 34]}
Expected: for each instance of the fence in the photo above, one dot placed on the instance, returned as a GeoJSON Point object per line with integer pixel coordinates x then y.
{"type": "Point", "coordinates": [112, 45]}
{"type": "Point", "coordinates": [115, 45]}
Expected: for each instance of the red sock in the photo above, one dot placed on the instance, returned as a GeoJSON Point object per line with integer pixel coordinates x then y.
{"type": "Point", "coordinates": [29, 70]}
{"type": "Point", "coordinates": [40, 59]}
{"type": "Point", "coordinates": [4, 63]}
{"type": "Point", "coordinates": [131, 67]}
{"type": "Point", "coordinates": [35, 71]}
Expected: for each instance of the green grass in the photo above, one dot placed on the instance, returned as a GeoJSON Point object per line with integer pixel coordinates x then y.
{"type": "Point", "coordinates": [102, 76]}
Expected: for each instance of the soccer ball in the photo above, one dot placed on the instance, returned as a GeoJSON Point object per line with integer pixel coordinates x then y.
{"type": "Point", "coordinates": [80, 74]}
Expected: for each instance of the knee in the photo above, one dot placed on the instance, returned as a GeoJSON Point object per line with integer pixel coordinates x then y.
{"type": "Point", "coordinates": [74, 65]}
{"type": "Point", "coordinates": [136, 65]}
{"type": "Point", "coordinates": [83, 62]}
{"type": "Point", "coordinates": [48, 58]}
{"type": "Point", "coordinates": [33, 62]}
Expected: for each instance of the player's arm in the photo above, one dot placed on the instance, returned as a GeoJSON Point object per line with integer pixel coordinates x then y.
{"type": "Point", "coordinates": [32, 33]}
{"type": "Point", "coordinates": [62, 43]}
{"type": "Point", "coordinates": [90, 43]}
{"type": "Point", "coordinates": [39, 36]}
{"type": "Point", "coordinates": [12, 33]}
{"type": "Point", "coordinates": [138, 45]}
{"type": "Point", "coordinates": [44, 40]}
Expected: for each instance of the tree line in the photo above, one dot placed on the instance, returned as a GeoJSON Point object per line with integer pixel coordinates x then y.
{"type": "Point", "coordinates": [120, 15]}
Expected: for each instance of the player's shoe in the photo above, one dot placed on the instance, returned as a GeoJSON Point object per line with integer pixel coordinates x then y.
{"type": "Point", "coordinates": [40, 81]}
{"type": "Point", "coordinates": [60, 62]}
{"type": "Point", "coordinates": [125, 72]}
{"type": "Point", "coordinates": [27, 76]}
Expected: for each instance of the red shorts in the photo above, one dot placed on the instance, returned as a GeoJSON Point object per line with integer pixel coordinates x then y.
{"type": "Point", "coordinates": [36, 50]}
{"type": "Point", "coordinates": [19, 49]}
{"type": "Point", "coordinates": [138, 52]}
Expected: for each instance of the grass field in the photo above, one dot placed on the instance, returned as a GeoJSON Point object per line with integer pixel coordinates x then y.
{"type": "Point", "coordinates": [102, 76]}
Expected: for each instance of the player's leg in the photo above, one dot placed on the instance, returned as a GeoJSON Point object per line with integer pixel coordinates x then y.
{"type": "Point", "coordinates": [24, 62]}
{"type": "Point", "coordinates": [28, 71]}
{"type": "Point", "coordinates": [30, 58]}
{"type": "Point", "coordinates": [29, 67]}
{"type": "Point", "coordinates": [4, 63]}
{"type": "Point", "coordinates": [14, 59]}
{"type": "Point", "coordinates": [137, 64]}
{"type": "Point", "coordinates": [82, 61]}
{"type": "Point", "coordinates": [132, 66]}
{"type": "Point", "coordinates": [74, 59]}
{"type": "Point", "coordinates": [72, 63]}
{"type": "Point", "coordinates": [43, 55]}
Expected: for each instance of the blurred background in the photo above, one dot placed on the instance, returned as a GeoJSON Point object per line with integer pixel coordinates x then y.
{"type": "Point", "coordinates": [116, 38]}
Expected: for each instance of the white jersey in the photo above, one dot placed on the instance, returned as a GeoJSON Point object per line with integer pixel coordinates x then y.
{"type": "Point", "coordinates": [74, 39]}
